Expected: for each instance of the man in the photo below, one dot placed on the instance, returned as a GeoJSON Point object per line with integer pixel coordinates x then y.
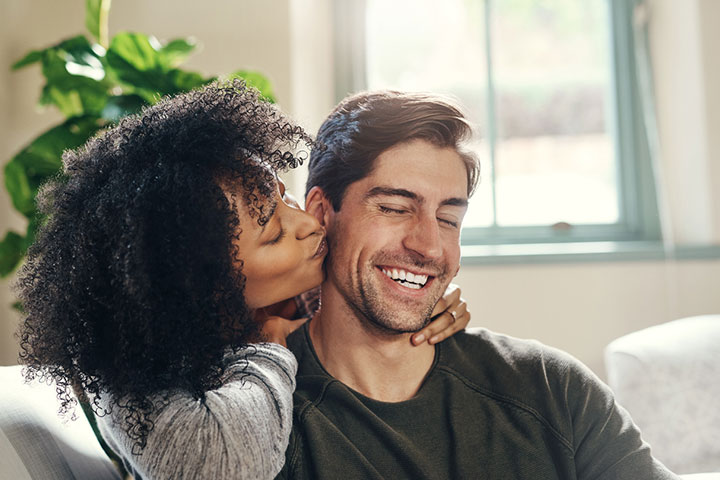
{"type": "Point", "coordinates": [391, 186]}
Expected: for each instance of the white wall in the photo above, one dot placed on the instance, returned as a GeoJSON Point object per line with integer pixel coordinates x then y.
{"type": "Point", "coordinates": [709, 17]}
{"type": "Point", "coordinates": [683, 37]}
{"type": "Point", "coordinates": [576, 307]}
{"type": "Point", "coordinates": [581, 307]}
{"type": "Point", "coordinates": [20, 31]}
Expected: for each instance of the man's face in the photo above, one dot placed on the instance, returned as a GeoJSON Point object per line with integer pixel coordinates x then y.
{"type": "Point", "coordinates": [395, 243]}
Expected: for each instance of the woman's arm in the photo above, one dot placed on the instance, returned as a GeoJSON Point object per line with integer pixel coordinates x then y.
{"type": "Point", "coordinates": [239, 430]}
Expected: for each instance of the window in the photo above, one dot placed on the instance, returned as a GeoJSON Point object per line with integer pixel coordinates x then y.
{"type": "Point", "coordinates": [551, 87]}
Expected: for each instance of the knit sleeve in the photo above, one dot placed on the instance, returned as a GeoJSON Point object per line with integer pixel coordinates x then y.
{"type": "Point", "coordinates": [239, 430]}
{"type": "Point", "coordinates": [607, 443]}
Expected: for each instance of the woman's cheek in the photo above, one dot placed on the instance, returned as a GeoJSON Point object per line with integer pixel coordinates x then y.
{"type": "Point", "coordinates": [284, 262]}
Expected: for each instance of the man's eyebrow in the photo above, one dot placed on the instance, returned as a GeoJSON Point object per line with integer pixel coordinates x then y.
{"type": "Point", "coordinates": [392, 192]}
{"type": "Point", "coordinates": [455, 202]}
{"type": "Point", "coordinates": [401, 192]}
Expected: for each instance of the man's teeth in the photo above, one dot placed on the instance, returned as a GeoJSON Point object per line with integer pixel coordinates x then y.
{"type": "Point", "coordinates": [405, 278]}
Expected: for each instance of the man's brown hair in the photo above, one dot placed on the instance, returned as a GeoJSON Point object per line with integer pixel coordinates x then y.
{"type": "Point", "coordinates": [366, 124]}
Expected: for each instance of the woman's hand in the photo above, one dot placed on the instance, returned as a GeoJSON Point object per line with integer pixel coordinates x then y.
{"type": "Point", "coordinates": [449, 317]}
{"type": "Point", "coordinates": [276, 329]}
{"type": "Point", "coordinates": [276, 323]}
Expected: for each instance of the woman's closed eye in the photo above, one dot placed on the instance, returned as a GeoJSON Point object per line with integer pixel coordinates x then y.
{"type": "Point", "coordinates": [280, 235]}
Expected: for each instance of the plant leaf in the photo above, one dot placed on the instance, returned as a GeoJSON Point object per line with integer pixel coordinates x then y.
{"type": "Point", "coordinates": [34, 164]}
{"type": "Point", "coordinates": [119, 106]}
{"type": "Point", "coordinates": [51, 144]}
{"type": "Point", "coordinates": [75, 78]}
{"type": "Point", "coordinates": [12, 251]}
{"type": "Point", "coordinates": [137, 50]}
{"type": "Point", "coordinates": [33, 225]}
{"type": "Point", "coordinates": [257, 80]}
{"type": "Point", "coordinates": [185, 81]}
{"type": "Point", "coordinates": [92, 17]}
{"type": "Point", "coordinates": [18, 186]}
{"type": "Point", "coordinates": [87, 99]}
{"type": "Point", "coordinates": [176, 51]}
{"type": "Point", "coordinates": [80, 58]}
{"type": "Point", "coordinates": [29, 59]}
{"type": "Point", "coordinates": [56, 72]}
{"type": "Point", "coordinates": [68, 102]}
{"type": "Point", "coordinates": [136, 63]}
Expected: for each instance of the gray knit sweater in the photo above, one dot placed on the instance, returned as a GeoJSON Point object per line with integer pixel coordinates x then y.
{"type": "Point", "coordinates": [238, 431]}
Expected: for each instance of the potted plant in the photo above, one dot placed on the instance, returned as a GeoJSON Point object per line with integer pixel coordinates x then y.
{"type": "Point", "coordinates": [94, 81]}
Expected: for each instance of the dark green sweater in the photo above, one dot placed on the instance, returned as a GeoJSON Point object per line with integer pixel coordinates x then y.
{"type": "Point", "coordinates": [491, 407]}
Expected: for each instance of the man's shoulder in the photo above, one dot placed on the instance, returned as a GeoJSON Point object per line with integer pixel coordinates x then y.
{"type": "Point", "coordinates": [481, 344]}
{"type": "Point", "coordinates": [509, 366]}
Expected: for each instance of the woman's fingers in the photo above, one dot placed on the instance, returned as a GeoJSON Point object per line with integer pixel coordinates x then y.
{"type": "Point", "coordinates": [449, 322]}
{"type": "Point", "coordinates": [444, 319]}
{"type": "Point", "coordinates": [293, 325]}
{"type": "Point", "coordinates": [285, 308]}
{"type": "Point", "coordinates": [277, 329]}
{"type": "Point", "coordinates": [440, 323]}
{"type": "Point", "coordinates": [460, 321]}
{"type": "Point", "coordinates": [451, 297]}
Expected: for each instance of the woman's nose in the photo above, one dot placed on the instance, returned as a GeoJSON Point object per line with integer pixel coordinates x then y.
{"type": "Point", "coordinates": [304, 224]}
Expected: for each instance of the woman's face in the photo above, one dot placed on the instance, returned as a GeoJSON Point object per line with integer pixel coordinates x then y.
{"type": "Point", "coordinates": [284, 257]}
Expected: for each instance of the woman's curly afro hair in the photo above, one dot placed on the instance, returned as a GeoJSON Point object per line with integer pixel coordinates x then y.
{"type": "Point", "coordinates": [133, 285]}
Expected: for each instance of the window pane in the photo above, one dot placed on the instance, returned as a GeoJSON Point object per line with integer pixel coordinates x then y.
{"type": "Point", "coordinates": [554, 153]}
{"type": "Point", "coordinates": [426, 45]}
{"type": "Point", "coordinates": [480, 211]}
{"type": "Point", "coordinates": [554, 156]}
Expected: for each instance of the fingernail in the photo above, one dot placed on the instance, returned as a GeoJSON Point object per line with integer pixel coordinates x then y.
{"type": "Point", "coordinates": [435, 339]}
{"type": "Point", "coordinates": [419, 339]}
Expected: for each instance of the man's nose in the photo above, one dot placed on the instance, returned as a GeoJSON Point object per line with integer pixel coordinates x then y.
{"type": "Point", "coordinates": [424, 237]}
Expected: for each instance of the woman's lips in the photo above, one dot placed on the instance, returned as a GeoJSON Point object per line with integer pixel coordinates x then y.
{"type": "Point", "coordinates": [321, 249]}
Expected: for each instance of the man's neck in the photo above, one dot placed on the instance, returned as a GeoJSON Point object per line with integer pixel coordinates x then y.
{"type": "Point", "coordinates": [380, 366]}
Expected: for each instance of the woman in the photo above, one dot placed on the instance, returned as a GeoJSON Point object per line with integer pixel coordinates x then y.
{"type": "Point", "coordinates": [154, 287]}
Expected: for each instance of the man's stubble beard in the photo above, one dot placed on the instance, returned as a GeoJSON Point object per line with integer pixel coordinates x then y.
{"type": "Point", "coordinates": [386, 319]}
{"type": "Point", "coordinates": [368, 305]}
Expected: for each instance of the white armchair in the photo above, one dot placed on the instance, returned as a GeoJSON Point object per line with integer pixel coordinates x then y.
{"type": "Point", "coordinates": [668, 378]}
{"type": "Point", "coordinates": [35, 443]}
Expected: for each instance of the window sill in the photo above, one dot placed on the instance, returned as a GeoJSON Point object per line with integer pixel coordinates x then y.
{"type": "Point", "coordinates": [582, 252]}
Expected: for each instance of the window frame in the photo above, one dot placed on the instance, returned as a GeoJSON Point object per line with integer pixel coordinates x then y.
{"type": "Point", "coordinates": [638, 216]}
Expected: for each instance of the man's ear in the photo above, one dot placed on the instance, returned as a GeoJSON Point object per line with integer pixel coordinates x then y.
{"type": "Point", "coordinates": [318, 205]}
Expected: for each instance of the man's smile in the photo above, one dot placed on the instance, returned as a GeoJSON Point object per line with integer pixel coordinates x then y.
{"type": "Point", "coordinates": [406, 278]}
{"type": "Point", "coordinates": [413, 282]}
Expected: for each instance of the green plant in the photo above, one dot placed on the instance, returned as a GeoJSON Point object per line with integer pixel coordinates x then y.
{"type": "Point", "coordinates": [94, 82]}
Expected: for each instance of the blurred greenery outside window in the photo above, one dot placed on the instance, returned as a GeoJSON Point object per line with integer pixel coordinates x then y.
{"type": "Point", "coordinates": [550, 86]}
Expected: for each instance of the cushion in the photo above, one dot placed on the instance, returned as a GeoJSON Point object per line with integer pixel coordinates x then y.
{"type": "Point", "coordinates": [36, 443]}
{"type": "Point", "coordinates": [668, 378]}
